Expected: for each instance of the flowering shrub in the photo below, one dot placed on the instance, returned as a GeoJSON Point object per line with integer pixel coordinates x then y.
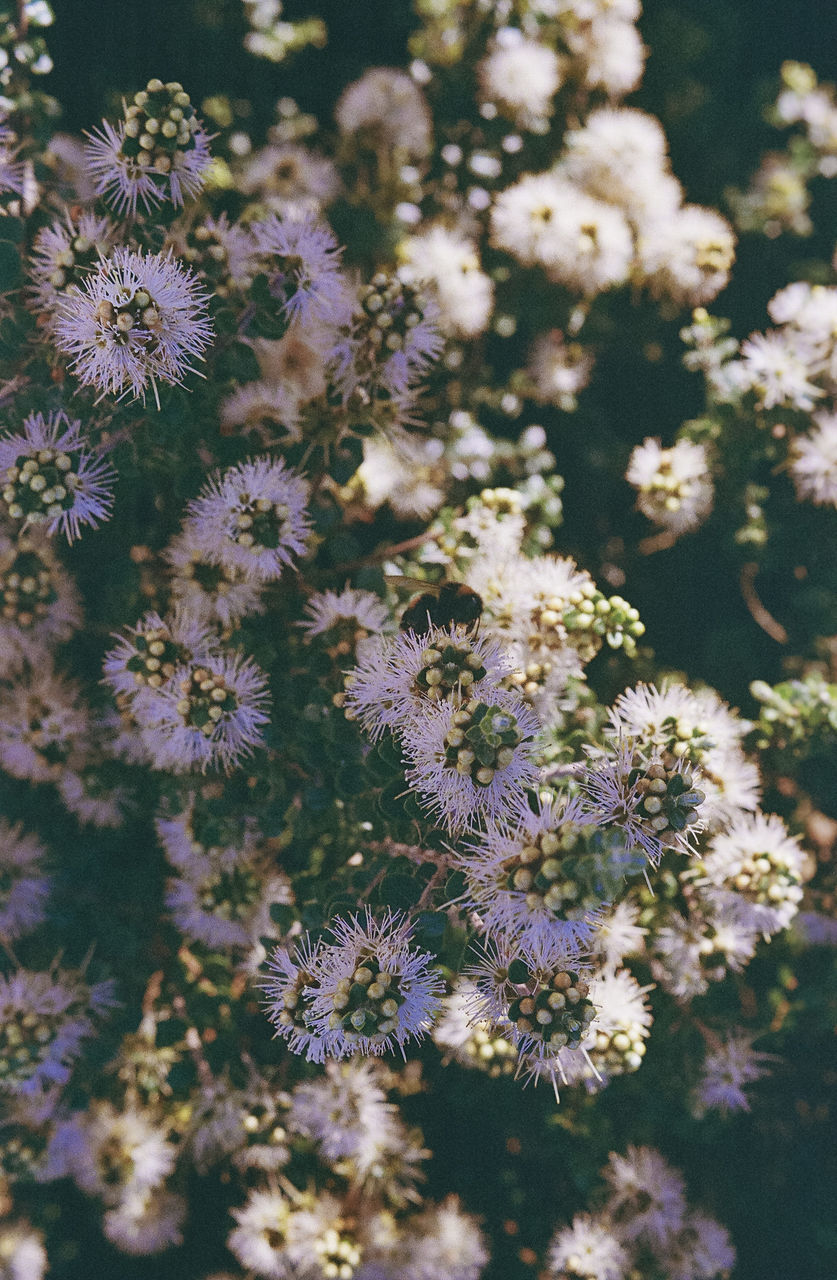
{"type": "Point", "coordinates": [344, 794]}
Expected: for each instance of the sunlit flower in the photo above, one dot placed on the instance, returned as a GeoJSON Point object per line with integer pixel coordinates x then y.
{"type": "Point", "coordinates": [135, 320]}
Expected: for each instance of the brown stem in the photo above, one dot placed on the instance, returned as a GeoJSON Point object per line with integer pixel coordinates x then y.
{"type": "Point", "coordinates": [384, 553]}
{"type": "Point", "coordinates": [760, 615]}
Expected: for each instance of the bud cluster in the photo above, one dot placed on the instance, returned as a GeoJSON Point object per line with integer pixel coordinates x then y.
{"type": "Point", "coordinates": [159, 123]}
{"type": "Point", "coordinates": [454, 666]}
{"type": "Point", "coordinates": [206, 700]}
{"type": "Point", "coordinates": [367, 1004]}
{"type": "Point", "coordinates": [481, 741]}
{"type": "Point", "coordinates": [551, 1008]}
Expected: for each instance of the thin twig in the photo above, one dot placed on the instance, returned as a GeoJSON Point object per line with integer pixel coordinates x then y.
{"type": "Point", "coordinates": [760, 615]}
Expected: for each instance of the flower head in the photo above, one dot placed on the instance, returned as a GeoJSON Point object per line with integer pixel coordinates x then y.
{"type": "Point", "coordinates": [531, 881]}
{"type": "Point", "coordinates": [158, 151]}
{"type": "Point", "coordinates": [44, 1017]}
{"type": "Point", "coordinates": [210, 592]}
{"type": "Point", "coordinates": [252, 519]}
{"type": "Point", "coordinates": [135, 320]}
{"type": "Point", "coordinates": [24, 888]}
{"type": "Point", "coordinates": [374, 990]}
{"type": "Point", "coordinates": [653, 805]}
{"type": "Point", "coordinates": [63, 255]}
{"type": "Point", "coordinates": [152, 650]}
{"type": "Point", "coordinates": [397, 678]}
{"type": "Point", "coordinates": [50, 477]}
{"type": "Point", "coordinates": [38, 602]}
{"type": "Point", "coordinates": [209, 712]}
{"type": "Point", "coordinates": [302, 262]}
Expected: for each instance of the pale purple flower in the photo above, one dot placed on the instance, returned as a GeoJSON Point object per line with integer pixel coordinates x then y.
{"type": "Point", "coordinates": [646, 1196]}
{"type": "Point", "coordinates": [701, 1250]}
{"type": "Point", "coordinates": [24, 888]}
{"type": "Point", "coordinates": [517, 884]}
{"type": "Point", "coordinates": [537, 994]}
{"type": "Point", "coordinates": [360, 612]}
{"type": "Point", "coordinates": [252, 519]}
{"type": "Point", "coordinates": [374, 991]}
{"type": "Point", "coordinates": [289, 989]}
{"type": "Point", "coordinates": [209, 712]}
{"type": "Point", "coordinates": [136, 320]}
{"type": "Point", "coordinates": [158, 152]}
{"type": "Point", "coordinates": [12, 171]}
{"type": "Point", "coordinates": [50, 476]}
{"type": "Point", "coordinates": [222, 898]}
{"type": "Point", "coordinates": [150, 652]}
{"type": "Point", "coordinates": [472, 762]}
{"type": "Point", "coordinates": [301, 259]}
{"type": "Point", "coordinates": [39, 605]}
{"type": "Point", "coordinates": [210, 592]}
{"type": "Point", "coordinates": [730, 1065]}
{"type": "Point", "coordinates": [588, 1249]}
{"type": "Point", "coordinates": [389, 342]}
{"type": "Point", "coordinates": [63, 254]}
{"type": "Point", "coordinates": [44, 1017]}
{"type": "Point", "coordinates": [654, 807]}
{"type": "Point", "coordinates": [42, 720]}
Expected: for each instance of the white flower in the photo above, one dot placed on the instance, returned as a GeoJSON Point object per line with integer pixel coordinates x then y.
{"type": "Point", "coordinates": [146, 1223]}
{"type": "Point", "coordinates": [151, 651]}
{"type": "Point", "coordinates": [114, 1154]}
{"type": "Point", "coordinates": [522, 76]}
{"type": "Point", "coordinates": [22, 1252]}
{"type": "Point", "coordinates": [813, 462]}
{"type": "Point", "coordinates": [686, 254]}
{"type": "Point", "coordinates": [442, 1243]}
{"type": "Point", "coordinates": [611, 53]}
{"type": "Point", "coordinates": [386, 104]}
{"type": "Point", "coordinates": [449, 262]}
{"type": "Point", "coordinates": [581, 242]}
{"type": "Point", "coordinates": [779, 370]}
{"type": "Point", "coordinates": [587, 1249]}
{"type": "Point", "coordinates": [755, 870]}
{"type": "Point", "coordinates": [559, 370]}
{"type": "Point", "coordinates": [674, 486]}
{"type": "Point", "coordinates": [618, 934]}
{"type": "Point", "coordinates": [620, 155]}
